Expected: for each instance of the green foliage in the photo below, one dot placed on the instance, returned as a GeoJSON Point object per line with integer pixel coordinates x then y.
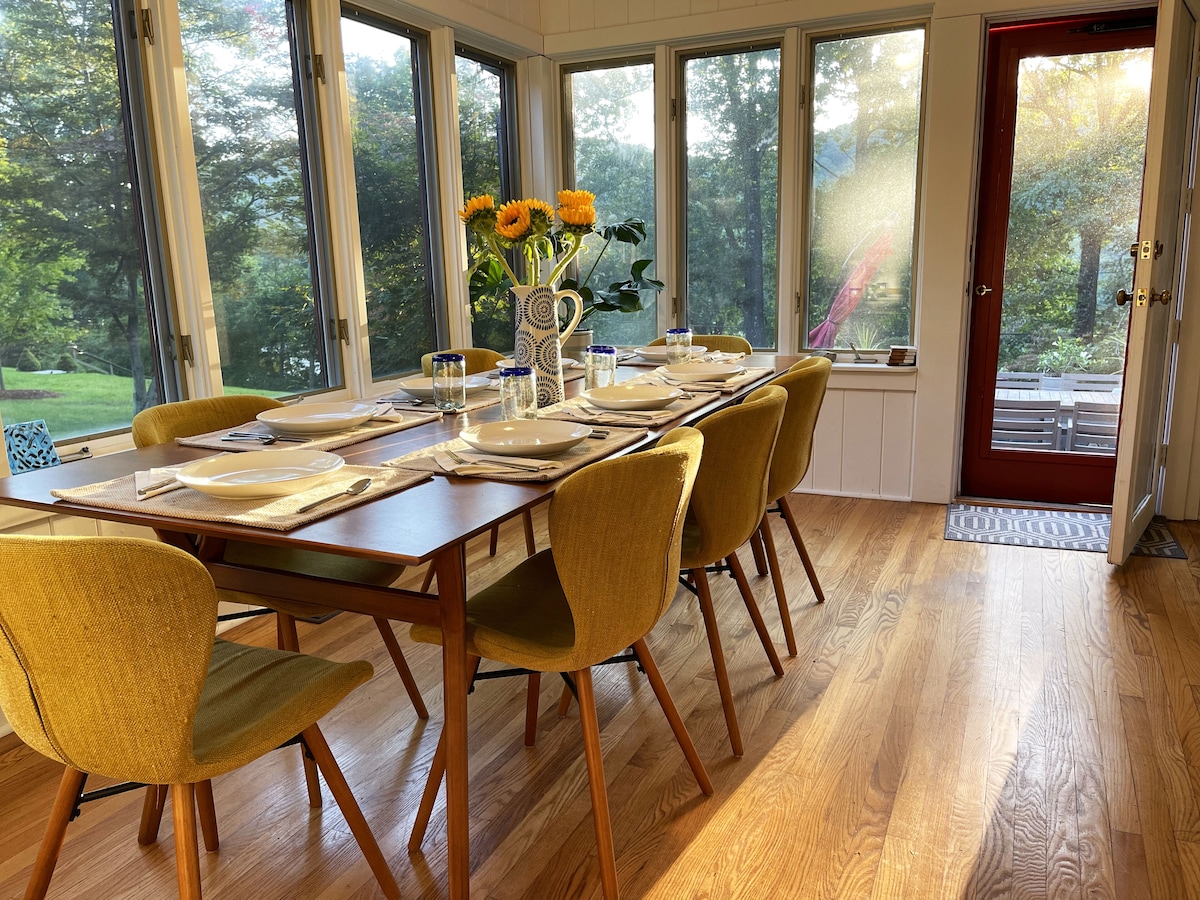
{"type": "Point", "coordinates": [620, 296]}
{"type": "Point", "coordinates": [28, 362]}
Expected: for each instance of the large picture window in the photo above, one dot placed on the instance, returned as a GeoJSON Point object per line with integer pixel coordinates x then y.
{"type": "Point", "coordinates": [864, 131]}
{"type": "Point", "coordinates": [731, 190]}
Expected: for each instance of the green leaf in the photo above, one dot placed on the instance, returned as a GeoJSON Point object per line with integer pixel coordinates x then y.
{"type": "Point", "coordinates": [631, 231]}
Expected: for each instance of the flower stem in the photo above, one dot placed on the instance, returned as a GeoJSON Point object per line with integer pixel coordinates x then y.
{"type": "Point", "coordinates": [503, 261]}
{"type": "Point", "coordinates": [576, 243]}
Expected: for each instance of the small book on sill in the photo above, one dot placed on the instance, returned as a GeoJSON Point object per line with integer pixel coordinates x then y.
{"type": "Point", "coordinates": [902, 355]}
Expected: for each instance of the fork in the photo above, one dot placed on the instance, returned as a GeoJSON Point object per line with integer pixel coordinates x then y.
{"type": "Point", "coordinates": [520, 467]}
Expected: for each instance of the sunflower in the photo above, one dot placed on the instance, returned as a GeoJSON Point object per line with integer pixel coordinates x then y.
{"type": "Point", "coordinates": [577, 219]}
{"type": "Point", "coordinates": [576, 198]}
{"type": "Point", "coordinates": [541, 216]}
{"type": "Point", "coordinates": [479, 214]}
{"type": "Point", "coordinates": [513, 221]}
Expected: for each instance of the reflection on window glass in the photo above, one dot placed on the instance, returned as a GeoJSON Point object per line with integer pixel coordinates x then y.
{"type": "Point", "coordinates": [865, 123]}
{"type": "Point", "coordinates": [612, 114]}
{"type": "Point", "coordinates": [392, 208]}
{"type": "Point", "coordinates": [252, 195]}
{"type": "Point", "coordinates": [482, 136]}
{"type": "Point", "coordinates": [75, 346]}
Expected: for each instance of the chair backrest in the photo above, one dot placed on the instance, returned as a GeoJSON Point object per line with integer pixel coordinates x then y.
{"type": "Point", "coordinates": [478, 359]}
{"type": "Point", "coordinates": [184, 418]}
{"type": "Point", "coordinates": [100, 635]}
{"type": "Point", "coordinates": [722, 343]}
{"type": "Point", "coordinates": [1094, 427]}
{"type": "Point", "coordinates": [1026, 424]}
{"type": "Point", "coordinates": [28, 446]}
{"type": "Point", "coordinates": [1019, 381]}
{"type": "Point", "coordinates": [1086, 381]}
{"type": "Point", "coordinates": [731, 487]}
{"type": "Point", "coordinates": [805, 383]}
{"type": "Point", "coordinates": [615, 530]}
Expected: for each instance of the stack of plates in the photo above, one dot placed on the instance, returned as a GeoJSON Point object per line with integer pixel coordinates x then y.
{"type": "Point", "coordinates": [632, 396]}
{"type": "Point", "coordinates": [658, 353]}
{"type": "Point", "coordinates": [525, 437]}
{"type": "Point", "coordinates": [422, 388]}
{"type": "Point", "coordinates": [695, 371]}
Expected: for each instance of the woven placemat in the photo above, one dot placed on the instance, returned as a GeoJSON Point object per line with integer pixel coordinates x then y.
{"type": "Point", "coordinates": [212, 440]}
{"type": "Point", "coordinates": [276, 513]}
{"type": "Point", "coordinates": [586, 451]}
{"type": "Point", "coordinates": [573, 410]}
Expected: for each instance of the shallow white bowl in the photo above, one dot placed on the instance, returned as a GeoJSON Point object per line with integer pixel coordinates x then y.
{"type": "Point", "coordinates": [422, 388]}
{"type": "Point", "coordinates": [632, 396]}
{"type": "Point", "coordinates": [658, 353]}
{"type": "Point", "coordinates": [317, 418]}
{"type": "Point", "coordinates": [525, 437]}
{"type": "Point", "coordinates": [696, 371]}
{"type": "Point", "coordinates": [260, 473]}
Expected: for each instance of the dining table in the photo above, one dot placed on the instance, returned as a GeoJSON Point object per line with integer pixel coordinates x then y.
{"type": "Point", "coordinates": [430, 522]}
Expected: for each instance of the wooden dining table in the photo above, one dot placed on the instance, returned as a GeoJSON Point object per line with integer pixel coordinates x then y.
{"type": "Point", "coordinates": [430, 522]}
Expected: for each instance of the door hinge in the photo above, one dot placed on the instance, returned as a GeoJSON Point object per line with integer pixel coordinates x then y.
{"type": "Point", "coordinates": [1173, 332]}
{"type": "Point", "coordinates": [675, 309]}
{"type": "Point", "coordinates": [1187, 202]}
{"type": "Point", "coordinates": [316, 67]}
{"type": "Point", "coordinates": [674, 109]}
{"type": "Point", "coordinates": [803, 96]}
{"type": "Point", "coordinates": [186, 353]}
{"type": "Point", "coordinates": [799, 302]}
{"type": "Point", "coordinates": [1162, 454]}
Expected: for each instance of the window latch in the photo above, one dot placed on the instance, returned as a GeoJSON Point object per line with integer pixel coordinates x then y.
{"type": "Point", "coordinates": [186, 353]}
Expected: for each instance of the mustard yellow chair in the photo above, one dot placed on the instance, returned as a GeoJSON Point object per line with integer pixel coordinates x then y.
{"type": "Point", "coordinates": [805, 383]}
{"type": "Point", "coordinates": [162, 424]}
{"type": "Point", "coordinates": [108, 665]}
{"type": "Point", "coordinates": [721, 343]}
{"type": "Point", "coordinates": [599, 589]}
{"type": "Point", "coordinates": [727, 506]}
{"type": "Point", "coordinates": [478, 359]}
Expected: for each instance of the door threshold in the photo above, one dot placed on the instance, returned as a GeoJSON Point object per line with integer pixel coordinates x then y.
{"type": "Point", "coordinates": [1035, 504]}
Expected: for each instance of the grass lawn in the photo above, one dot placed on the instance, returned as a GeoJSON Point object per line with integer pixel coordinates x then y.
{"type": "Point", "coordinates": [87, 402]}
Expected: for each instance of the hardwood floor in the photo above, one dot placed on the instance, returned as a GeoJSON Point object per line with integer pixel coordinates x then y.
{"type": "Point", "coordinates": [962, 720]}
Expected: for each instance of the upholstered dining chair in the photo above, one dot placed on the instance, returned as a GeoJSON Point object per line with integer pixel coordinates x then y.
{"type": "Point", "coordinates": [721, 343]}
{"type": "Point", "coordinates": [599, 589]}
{"type": "Point", "coordinates": [805, 383]}
{"type": "Point", "coordinates": [162, 424]}
{"type": "Point", "coordinates": [108, 665]}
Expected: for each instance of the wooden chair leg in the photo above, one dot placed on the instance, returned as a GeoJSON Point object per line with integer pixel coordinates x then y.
{"type": "Point", "coordinates": [794, 530]}
{"type": "Point", "coordinates": [595, 766]}
{"type": "Point", "coordinates": [437, 771]}
{"type": "Point", "coordinates": [152, 810]}
{"type": "Point", "coordinates": [187, 854]}
{"type": "Point", "coordinates": [718, 658]}
{"type": "Point", "coordinates": [428, 582]}
{"type": "Point", "coordinates": [289, 639]}
{"type": "Point", "coordinates": [208, 816]}
{"type": "Point", "coordinates": [760, 626]}
{"type": "Point", "coordinates": [673, 718]}
{"type": "Point", "coordinates": [315, 741]}
{"type": "Point", "coordinates": [530, 541]}
{"type": "Point", "coordinates": [532, 693]}
{"type": "Point", "coordinates": [495, 540]}
{"type": "Point", "coordinates": [65, 801]}
{"type": "Point", "coordinates": [785, 612]}
{"type": "Point", "coordinates": [564, 701]}
{"type": "Point", "coordinates": [401, 664]}
{"type": "Point", "coordinates": [760, 559]}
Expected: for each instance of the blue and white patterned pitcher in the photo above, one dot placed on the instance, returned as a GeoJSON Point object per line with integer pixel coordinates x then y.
{"type": "Point", "coordinates": [538, 342]}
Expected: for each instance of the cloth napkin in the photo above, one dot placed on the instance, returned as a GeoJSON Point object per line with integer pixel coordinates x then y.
{"type": "Point", "coordinates": [161, 480]}
{"type": "Point", "coordinates": [578, 410]}
{"type": "Point", "coordinates": [483, 464]}
{"type": "Point", "coordinates": [734, 384]}
{"type": "Point", "coordinates": [379, 425]}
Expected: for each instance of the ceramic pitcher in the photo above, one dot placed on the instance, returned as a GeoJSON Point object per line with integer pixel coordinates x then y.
{"type": "Point", "coordinates": [538, 341]}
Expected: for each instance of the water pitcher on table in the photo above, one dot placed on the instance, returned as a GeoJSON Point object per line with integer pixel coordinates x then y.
{"type": "Point", "coordinates": [538, 340]}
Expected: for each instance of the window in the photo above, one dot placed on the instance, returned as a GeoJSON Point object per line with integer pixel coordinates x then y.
{"type": "Point", "coordinates": [864, 128]}
{"type": "Point", "coordinates": [77, 345]}
{"type": "Point", "coordinates": [384, 66]}
{"type": "Point", "coordinates": [610, 152]}
{"type": "Point", "coordinates": [248, 123]}
{"type": "Point", "coordinates": [731, 192]}
{"type": "Point", "coordinates": [487, 146]}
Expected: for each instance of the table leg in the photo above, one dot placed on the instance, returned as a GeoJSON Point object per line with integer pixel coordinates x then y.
{"type": "Point", "coordinates": [451, 566]}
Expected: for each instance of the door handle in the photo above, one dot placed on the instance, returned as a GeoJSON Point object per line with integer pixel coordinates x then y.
{"type": "Point", "coordinates": [1123, 297]}
{"type": "Point", "coordinates": [1163, 297]}
{"type": "Point", "coordinates": [981, 289]}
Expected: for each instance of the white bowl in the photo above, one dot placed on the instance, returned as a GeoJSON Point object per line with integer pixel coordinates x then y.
{"type": "Point", "coordinates": [260, 473]}
{"type": "Point", "coordinates": [508, 362]}
{"type": "Point", "coordinates": [317, 418]}
{"type": "Point", "coordinates": [632, 396]}
{"type": "Point", "coordinates": [525, 437]}
{"type": "Point", "coordinates": [422, 388]}
{"type": "Point", "coordinates": [658, 353]}
{"type": "Point", "coordinates": [696, 371]}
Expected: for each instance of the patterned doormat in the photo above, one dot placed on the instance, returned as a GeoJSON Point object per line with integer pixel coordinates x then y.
{"type": "Point", "coordinates": [1052, 528]}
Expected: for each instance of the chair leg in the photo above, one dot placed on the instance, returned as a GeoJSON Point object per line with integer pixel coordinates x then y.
{"type": "Point", "coordinates": [599, 792]}
{"type": "Point", "coordinates": [530, 541]}
{"type": "Point", "coordinates": [785, 613]}
{"type": "Point", "coordinates": [532, 694]}
{"type": "Point", "coordinates": [289, 639]}
{"type": "Point", "coordinates": [564, 701]}
{"type": "Point", "coordinates": [673, 718]}
{"type": "Point", "coordinates": [718, 657]}
{"type": "Point", "coordinates": [401, 664]}
{"type": "Point", "coordinates": [65, 801]}
{"type": "Point", "coordinates": [495, 540]}
{"type": "Point", "coordinates": [428, 582]}
{"type": "Point", "coordinates": [760, 559]}
{"type": "Point", "coordinates": [794, 529]}
{"type": "Point", "coordinates": [760, 626]}
{"type": "Point", "coordinates": [187, 854]}
{"type": "Point", "coordinates": [315, 741]}
{"type": "Point", "coordinates": [152, 810]}
{"type": "Point", "coordinates": [208, 816]}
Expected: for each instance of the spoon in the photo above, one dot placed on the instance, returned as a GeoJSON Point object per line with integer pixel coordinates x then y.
{"type": "Point", "coordinates": [357, 488]}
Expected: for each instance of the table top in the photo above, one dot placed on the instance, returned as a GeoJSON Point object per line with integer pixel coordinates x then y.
{"type": "Point", "coordinates": [405, 528]}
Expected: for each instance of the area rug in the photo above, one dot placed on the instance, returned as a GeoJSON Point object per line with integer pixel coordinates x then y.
{"type": "Point", "coordinates": [1058, 529]}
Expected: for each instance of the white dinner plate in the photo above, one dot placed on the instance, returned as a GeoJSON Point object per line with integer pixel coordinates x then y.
{"type": "Point", "coordinates": [260, 473]}
{"type": "Point", "coordinates": [317, 418]}
{"type": "Point", "coordinates": [695, 371]}
{"type": "Point", "coordinates": [422, 388]}
{"type": "Point", "coordinates": [508, 362]}
{"type": "Point", "coordinates": [632, 396]}
{"type": "Point", "coordinates": [658, 353]}
{"type": "Point", "coordinates": [525, 437]}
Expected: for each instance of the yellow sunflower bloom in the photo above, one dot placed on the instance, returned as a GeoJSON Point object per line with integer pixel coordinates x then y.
{"type": "Point", "coordinates": [513, 221]}
{"type": "Point", "coordinates": [479, 214]}
{"type": "Point", "coordinates": [541, 216]}
{"type": "Point", "coordinates": [576, 198]}
{"type": "Point", "coordinates": [577, 219]}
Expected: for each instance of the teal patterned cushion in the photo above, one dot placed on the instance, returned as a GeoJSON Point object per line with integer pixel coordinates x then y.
{"type": "Point", "coordinates": [29, 446]}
